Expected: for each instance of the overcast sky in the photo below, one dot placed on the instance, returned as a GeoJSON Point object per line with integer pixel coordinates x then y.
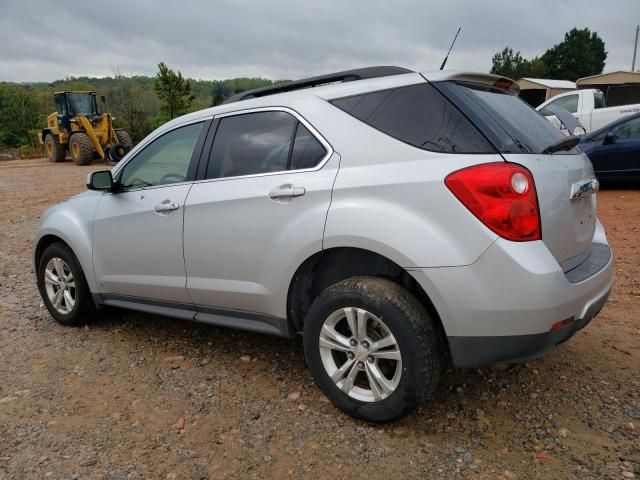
{"type": "Point", "coordinates": [45, 41]}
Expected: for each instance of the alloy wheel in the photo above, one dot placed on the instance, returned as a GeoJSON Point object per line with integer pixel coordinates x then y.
{"type": "Point", "coordinates": [360, 354]}
{"type": "Point", "coordinates": [60, 285]}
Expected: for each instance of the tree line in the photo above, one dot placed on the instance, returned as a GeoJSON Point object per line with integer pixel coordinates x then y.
{"type": "Point", "coordinates": [580, 54]}
{"type": "Point", "coordinates": [139, 103]}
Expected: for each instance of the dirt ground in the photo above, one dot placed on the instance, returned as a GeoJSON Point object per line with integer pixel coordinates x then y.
{"type": "Point", "coordinates": [103, 401]}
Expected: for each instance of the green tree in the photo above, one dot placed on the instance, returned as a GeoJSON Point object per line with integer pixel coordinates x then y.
{"type": "Point", "coordinates": [173, 91]}
{"type": "Point", "coordinates": [132, 106]}
{"type": "Point", "coordinates": [219, 93]}
{"type": "Point", "coordinates": [580, 54]}
{"type": "Point", "coordinates": [510, 64]}
{"type": "Point", "coordinates": [19, 116]}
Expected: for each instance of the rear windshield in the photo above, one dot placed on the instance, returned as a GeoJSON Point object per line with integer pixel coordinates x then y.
{"type": "Point", "coordinates": [511, 124]}
{"type": "Point", "coordinates": [598, 100]}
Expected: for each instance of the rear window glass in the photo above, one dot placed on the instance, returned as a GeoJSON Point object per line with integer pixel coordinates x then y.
{"type": "Point", "coordinates": [251, 143]}
{"type": "Point", "coordinates": [509, 122]}
{"type": "Point", "coordinates": [307, 150]}
{"type": "Point", "coordinates": [418, 115]}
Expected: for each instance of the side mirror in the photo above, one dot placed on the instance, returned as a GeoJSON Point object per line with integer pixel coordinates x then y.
{"type": "Point", "coordinates": [103, 99]}
{"type": "Point", "coordinates": [609, 138]}
{"type": "Point", "coordinates": [100, 180]}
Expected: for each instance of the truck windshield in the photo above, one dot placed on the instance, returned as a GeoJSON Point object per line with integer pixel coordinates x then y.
{"type": "Point", "coordinates": [509, 122]}
{"type": "Point", "coordinates": [82, 104]}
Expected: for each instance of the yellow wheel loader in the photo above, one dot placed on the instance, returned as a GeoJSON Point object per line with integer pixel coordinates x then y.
{"type": "Point", "coordinates": [78, 128]}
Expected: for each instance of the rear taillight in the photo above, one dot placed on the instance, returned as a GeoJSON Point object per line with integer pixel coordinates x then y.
{"type": "Point", "coordinates": [503, 197]}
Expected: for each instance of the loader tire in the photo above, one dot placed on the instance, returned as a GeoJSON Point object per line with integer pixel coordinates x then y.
{"type": "Point", "coordinates": [117, 152]}
{"type": "Point", "coordinates": [125, 139]}
{"type": "Point", "coordinates": [55, 150]}
{"type": "Point", "coordinates": [81, 149]}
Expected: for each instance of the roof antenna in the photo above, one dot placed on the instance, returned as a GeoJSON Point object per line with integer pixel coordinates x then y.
{"type": "Point", "coordinates": [444, 62]}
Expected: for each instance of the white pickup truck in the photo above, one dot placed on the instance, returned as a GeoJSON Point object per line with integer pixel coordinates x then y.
{"type": "Point", "coordinates": [589, 107]}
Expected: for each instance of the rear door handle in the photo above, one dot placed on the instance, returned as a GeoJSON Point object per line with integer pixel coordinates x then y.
{"type": "Point", "coordinates": [286, 191]}
{"type": "Point", "coordinates": [167, 206]}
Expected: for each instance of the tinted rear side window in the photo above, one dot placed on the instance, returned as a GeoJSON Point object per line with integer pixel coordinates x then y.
{"type": "Point", "coordinates": [418, 115]}
{"type": "Point", "coordinates": [251, 143]}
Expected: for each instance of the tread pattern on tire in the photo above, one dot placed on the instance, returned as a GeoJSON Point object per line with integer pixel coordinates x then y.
{"type": "Point", "coordinates": [86, 149]}
{"type": "Point", "coordinates": [124, 138]}
{"type": "Point", "coordinates": [86, 307]}
{"type": "Point", "coordinates": [59, 152]}
{"type": "Point", "coordinates": [425, 355]}
{"type": "Point", "coordinates": [414, 312]}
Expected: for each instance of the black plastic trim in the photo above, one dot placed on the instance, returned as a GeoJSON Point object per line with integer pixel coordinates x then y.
{"type": "Point", "coordinates": [241, 320]}
{"type": "Point", "coordinates": [203, 162]}
{"type": "Point", "coordinates": [344, 76]}
{"type": "Point", "coordinates": [197, 152]}
{"type": "Point", "coordinates": [468, 352]}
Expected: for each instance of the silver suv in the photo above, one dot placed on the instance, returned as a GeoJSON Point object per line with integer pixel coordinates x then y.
{"type": "Point", "coordinates": [398, 220]}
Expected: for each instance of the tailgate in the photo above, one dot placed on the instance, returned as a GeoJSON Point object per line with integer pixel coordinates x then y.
{"type": "Point", "coordinates": [568, 224]}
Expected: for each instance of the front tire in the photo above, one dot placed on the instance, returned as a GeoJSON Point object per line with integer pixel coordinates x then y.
{"type": "Point", "coordinates": [81, 149]}
{"type": "Point", "coordinates": [63, 286]}
{"type": "Point", "coordinates": [372, 348]}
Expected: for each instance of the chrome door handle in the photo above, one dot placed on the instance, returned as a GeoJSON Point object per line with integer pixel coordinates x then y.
{"type": "Point", "coordinates": [286, 191]}
{"type": "Point", "coordinates": [166, 206]}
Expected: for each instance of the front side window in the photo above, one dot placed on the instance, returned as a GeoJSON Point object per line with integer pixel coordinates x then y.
{"type": "Point", "coordinates": [628, 129]}
{"type": "Point", "coordinates": [418, 115]}
{"type": "Point", "coordinates": [261, 142]}
{"type": "Point", "coordinates": [164, 161]}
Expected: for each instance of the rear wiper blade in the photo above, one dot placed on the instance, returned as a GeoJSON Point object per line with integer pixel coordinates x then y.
{"type": "Point", "coordinates": [564, 144]}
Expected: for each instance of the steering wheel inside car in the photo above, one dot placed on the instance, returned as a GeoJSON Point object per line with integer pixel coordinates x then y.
{"type": "Point", "coordinates": [171, 178]}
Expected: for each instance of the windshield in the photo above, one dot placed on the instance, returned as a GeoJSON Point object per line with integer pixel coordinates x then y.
{"type": "Point", "coordinates": [509, 122]}
{"type": "Point", "coordinates": [82, 104]}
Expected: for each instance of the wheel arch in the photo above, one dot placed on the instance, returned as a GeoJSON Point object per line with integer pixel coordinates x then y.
{"type": "Point", "coordinates": [43, 243]}
{"type": "Point", "coordinates": [330, 266]}
{"type": "Point", "coordinates": [67, 229]}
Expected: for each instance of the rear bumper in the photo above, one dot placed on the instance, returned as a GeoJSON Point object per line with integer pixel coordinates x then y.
{"type": "Point", "coordinates": [502, 307]}
{"type": "Point", "coordinates": [475, 351]}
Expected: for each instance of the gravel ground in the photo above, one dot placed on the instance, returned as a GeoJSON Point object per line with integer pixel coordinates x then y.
{"type": "Point", "coordinates": [108, 400]}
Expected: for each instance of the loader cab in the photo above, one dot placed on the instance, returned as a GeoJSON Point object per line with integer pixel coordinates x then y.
{"type": "Point", "coordinates": [72, 104]}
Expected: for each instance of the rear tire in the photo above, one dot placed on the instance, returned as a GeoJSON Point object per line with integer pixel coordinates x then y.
{"type": "Point", "coordinates": [401, 343]}
{"type": "Point", "coordinates": [69, 301]}
{"type": "Point", "coordinates": [55, 150]}
{"type": "Point", "coordinates": [81, 149]}
{"type": "Point", "coordinates": [125, 139]}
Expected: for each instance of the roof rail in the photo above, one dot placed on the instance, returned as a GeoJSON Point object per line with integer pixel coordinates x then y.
{"type": "Point", "coordinates": [346, 76]}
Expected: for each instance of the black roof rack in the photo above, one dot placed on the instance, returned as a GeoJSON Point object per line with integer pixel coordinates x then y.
{"type": "Point", "coordinates": [346, 76]}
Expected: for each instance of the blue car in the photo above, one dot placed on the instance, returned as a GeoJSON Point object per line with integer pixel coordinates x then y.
{"type": "Point", "coordinates": [614, 149]}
